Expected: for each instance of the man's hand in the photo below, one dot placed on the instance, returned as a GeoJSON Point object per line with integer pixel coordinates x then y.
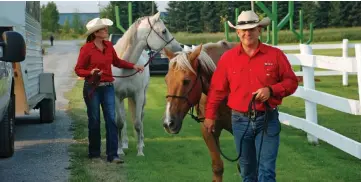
{"type": "Point", "coordinates": [139, 68]}
{"type": "Point", "coordinates": [209, 125]}
{"type": "Point", "coordinates": [263, 94]}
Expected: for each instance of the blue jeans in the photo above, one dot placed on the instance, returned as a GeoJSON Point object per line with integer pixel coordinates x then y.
{"type": "Point", "coordinates": [251, 146]}
{"type": "Point", "coordinates": [102, 96]}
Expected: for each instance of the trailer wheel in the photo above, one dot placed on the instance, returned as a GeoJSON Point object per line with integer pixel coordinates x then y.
{"type": "Point", "coordinates": [47, 110]}
{"type": "Point", "coordinates": [7, 130]}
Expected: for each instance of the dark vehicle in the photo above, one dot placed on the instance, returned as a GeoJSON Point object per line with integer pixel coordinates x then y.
{"type": "Point", "coordinates": [114, 38]}
{"type": "Point", "coordinates": [12, 49]}
{"type": "Point", "coordinates": [159, 65]}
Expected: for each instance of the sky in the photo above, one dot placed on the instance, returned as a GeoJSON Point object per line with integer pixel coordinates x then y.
{"type": "Point", "coordinates": [90, 6]}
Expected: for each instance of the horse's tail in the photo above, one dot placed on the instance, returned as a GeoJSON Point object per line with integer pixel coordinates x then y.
{"type": "Point", "coordinates": [131, 107]}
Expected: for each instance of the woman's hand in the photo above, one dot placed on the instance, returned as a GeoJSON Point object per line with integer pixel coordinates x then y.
{"type": "Point", "coordinates": [138, 68]}
{"type": "Point", "coordinates": [96, 70]}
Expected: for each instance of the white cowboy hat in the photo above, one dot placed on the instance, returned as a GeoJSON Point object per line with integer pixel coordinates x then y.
{"type": "Point", "coordinates": [96, 24]}
{"type": "Point", "coordinates": [248, 20]}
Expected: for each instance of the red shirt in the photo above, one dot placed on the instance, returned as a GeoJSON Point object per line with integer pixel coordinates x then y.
{"type": "Point", "coordinates": [91, 57]}
{"type": "Point", "coordinates": [238, 75]}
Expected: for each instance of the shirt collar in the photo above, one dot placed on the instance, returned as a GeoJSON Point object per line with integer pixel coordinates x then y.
{"type": "Point", "coordinates": [261, 48]}
{"type": "Point", "coordinates": [93, 44]}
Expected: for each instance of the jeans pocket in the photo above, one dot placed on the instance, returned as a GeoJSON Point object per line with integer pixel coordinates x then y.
{"type": "Point", "coordinates": [235, 117]}
{"type": "Point", "coordinates": [273, 128]}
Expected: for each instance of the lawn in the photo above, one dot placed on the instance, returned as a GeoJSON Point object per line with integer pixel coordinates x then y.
{"type": "Point", "coordinates": [185, 157]}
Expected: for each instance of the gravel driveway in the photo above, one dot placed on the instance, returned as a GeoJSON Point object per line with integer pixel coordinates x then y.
{"type": "Point", "coordinates": [41, 149]}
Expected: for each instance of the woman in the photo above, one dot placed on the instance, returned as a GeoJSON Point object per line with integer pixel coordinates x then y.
{"type": "Point", "coordinates": [96, 57]}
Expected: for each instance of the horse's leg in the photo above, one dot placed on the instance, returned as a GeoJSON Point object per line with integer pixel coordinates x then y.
{"type": "Point", "coordinates": [217, 163]}
{"type": "Point", "coordinates": [138, 121]}
{"type": "Point", "coordinates": [121, 123]}
{"type": "Point", "coordinates": [124, 136]}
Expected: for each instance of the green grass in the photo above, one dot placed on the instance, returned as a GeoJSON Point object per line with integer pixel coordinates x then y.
{"type": "Point", "coordinates": [184, 157]}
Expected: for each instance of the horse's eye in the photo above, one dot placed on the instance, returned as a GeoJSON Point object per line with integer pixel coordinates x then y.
{"type": "Point", "coordinates": [164, 31]}
{"type": "Point", "coordinates": [186, 82]}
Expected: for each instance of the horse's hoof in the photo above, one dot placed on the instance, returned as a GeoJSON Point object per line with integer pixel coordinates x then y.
{"type": "Point", "coordinates": [120, 152]}
{"type": "Point", "coordinates": [125, 146]}
{"type": "Point", "coordinates": [140, 154]}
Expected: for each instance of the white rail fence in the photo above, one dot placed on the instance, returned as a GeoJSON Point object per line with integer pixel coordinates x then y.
{"type": "Point", "coordinates": [340, 66]}
{"type": "Point", "coordinates": [313, 97]}
{"type": "Point", "coordinates": [345, 46]}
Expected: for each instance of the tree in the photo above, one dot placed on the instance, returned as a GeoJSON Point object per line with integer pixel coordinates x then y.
{"type": "Point", "coordinates": [50, 17]}
{"type": "Point", "coordinates": [193, 17]}
{"type": "Point", "coordinates": [66, 26]}
{"type": "Point", "coordinates": [77, 25]}
{"type": "Point", "coordinates": [173, 12]}
{"type": "Point", "coordinates": [139, 9]}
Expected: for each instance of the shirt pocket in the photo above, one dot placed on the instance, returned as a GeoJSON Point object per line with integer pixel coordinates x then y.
{"type": "Point", "coordinates": [236, 75]}
{"type": "Point", "coordinates": [268, 75]}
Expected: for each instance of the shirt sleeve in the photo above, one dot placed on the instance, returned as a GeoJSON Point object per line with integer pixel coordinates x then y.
{"type": "Point", "coordinates": [117, 62]}
{"type": "Point", "coordinates": [82, 63]}
{"type": "Point", "coordinates": [288, 80]}
{"type": "Point", "coordinates": [218, 89]}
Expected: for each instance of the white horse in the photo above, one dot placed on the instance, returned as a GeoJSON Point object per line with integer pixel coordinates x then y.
{"type": "Point", "coordinates": [146, 32]}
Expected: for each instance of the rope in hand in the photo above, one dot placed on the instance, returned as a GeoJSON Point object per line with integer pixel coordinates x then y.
{"type": "Point", "coordinates": [95, 78]}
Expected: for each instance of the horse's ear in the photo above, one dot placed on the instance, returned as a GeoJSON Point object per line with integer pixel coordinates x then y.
{"type": "Point", "coordinates": [169, 53]}
{"type": "Point", "coordinates": [156, 17]}
{"type": "Point", "coordinates": [195, 53]}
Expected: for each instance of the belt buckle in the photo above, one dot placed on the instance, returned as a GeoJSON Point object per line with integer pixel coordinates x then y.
{"type": "Point", "coordinates": [104, 84]}
{"type": "Point", "coordinates": [252, 113]}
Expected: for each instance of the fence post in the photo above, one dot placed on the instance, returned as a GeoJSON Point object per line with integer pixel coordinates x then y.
{"type": "Point", "coordinates": [309, 83]}
{"type": "Point", "coordinates": [345, 55]}
{"type": "Point", "coordinates": [358, 61]}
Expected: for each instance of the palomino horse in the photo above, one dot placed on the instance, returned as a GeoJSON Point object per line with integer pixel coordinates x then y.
{"type": "Point", "coordinates": [188, 81]}
{"type": "Point", "coordinates": [146, 32]}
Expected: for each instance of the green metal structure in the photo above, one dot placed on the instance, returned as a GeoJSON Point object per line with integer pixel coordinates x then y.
{"type": "Point", "coordinates": [276, 27]}
{"type": "Point", "coordinates": [117, 19]}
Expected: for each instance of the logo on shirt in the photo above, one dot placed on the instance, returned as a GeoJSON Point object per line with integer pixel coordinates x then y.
{"type": "Point", "coordinates": [268, 64]}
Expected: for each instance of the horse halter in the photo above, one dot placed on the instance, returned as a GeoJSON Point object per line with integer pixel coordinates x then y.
{"type": "Point", "coordinates": [152, 29]}
{"type": "Point", "coordinates": [185, 97]}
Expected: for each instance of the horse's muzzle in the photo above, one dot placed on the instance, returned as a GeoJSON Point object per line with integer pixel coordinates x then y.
{"type": "Point", "coordinates": [173, 126]}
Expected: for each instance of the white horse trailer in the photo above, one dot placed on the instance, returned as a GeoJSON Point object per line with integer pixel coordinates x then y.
{"type": "Point", "coordinates": [31, 86]}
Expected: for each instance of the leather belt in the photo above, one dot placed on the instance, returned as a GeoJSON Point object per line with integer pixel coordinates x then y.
{"type": "Point", "coordinates": [105, 84]}
{"type": "Point", "coordinates": [247, 114]}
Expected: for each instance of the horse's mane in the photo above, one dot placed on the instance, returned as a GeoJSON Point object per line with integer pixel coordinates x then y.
{"type": "Point", "coordinates": [207, 64]}
{"type": "Point", "coordinates": [126, 40]}
{"type": "Point", "coordinates": [181, 62]}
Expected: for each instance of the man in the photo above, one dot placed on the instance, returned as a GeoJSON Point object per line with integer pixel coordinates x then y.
{"type": "Point", "coordinates": [248, 69]}
{"type": "Point", "coordinates": [51, 40]}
